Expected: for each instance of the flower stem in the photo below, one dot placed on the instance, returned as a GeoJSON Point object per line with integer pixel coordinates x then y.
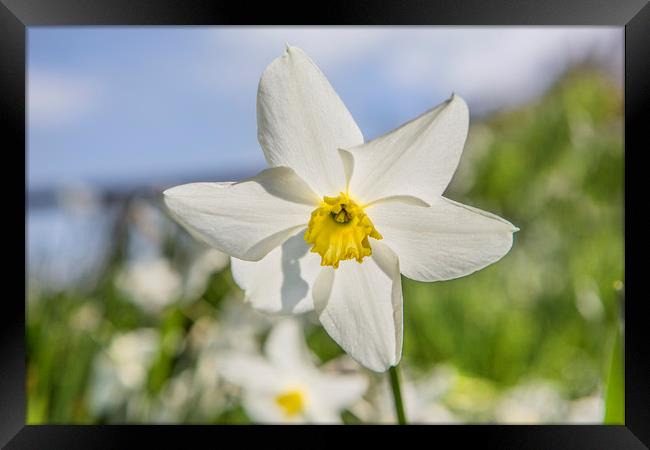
{"type": "Point", "coordinates": [397, 395]}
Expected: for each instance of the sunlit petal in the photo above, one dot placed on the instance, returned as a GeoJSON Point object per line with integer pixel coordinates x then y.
{"type": "Point", "coordinates": [247, 219]}
{"type": "Point", "coordinates": [447, 240]}
{"type": "Point", "coordinates": [417, 159]}
{"type": "Point", "coordinates": [360, 307]}
{"type": "Point", "coordinates": [302, 122]}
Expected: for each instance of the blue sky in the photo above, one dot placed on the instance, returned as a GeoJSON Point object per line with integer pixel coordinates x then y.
{"type": "Point", "coordinates": [111, 105]}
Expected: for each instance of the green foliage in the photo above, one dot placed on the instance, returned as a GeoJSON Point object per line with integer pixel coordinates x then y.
{"type": "Point", "coordinates": [555, 169]}
{"type": "Point", "coordinates": [615, 393]}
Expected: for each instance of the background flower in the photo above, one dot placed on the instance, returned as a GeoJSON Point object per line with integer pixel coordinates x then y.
{"type": "Point", "coordinates": [122, 370]}
{"type": "Point", "coordinates": [285, 385]}
{"type": "Point", "coordinates": [152, 284]}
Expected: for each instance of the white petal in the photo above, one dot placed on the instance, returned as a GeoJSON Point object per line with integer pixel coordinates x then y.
{"type": "Point", "coordinates": [285, 347]}
{"type": "Point", "coordinates": [281, 281]}
{"type": "Point", "coordinates": [251, 372]}
{"type": "Point", "coordinates": [444, 241]}
{"type": "Point", "coordinates": [339, 392]}
{"type": "Point", "coordinates": [418, 159]}
{"type": "Point", "coordinates": [246, 219]}
{"type": "Point", "coordinates": [360, 307]}
{"type": "Point", "coordinates": [302, 122]}
{"type": "Point", "coordinates": [262, 408]}
{"type": "Point", "coordinates": [322, 416]}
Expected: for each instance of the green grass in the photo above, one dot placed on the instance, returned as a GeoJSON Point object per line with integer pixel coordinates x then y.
{"type": "Point", "coordinates": [615, 393]}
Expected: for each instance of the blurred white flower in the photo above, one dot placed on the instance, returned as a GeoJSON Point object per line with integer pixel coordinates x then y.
{"type": "Point", "coordinates": [122, 369]}
{"type": "Point", "coordinates": [241, 325]}
{"type": "Point", "coordinates": [87, 317]}
{"type": "Point", "coordinates": [209, 261]}
{"type": "Point", "coordinates": [588, 301]}
{"type": "Point", "coordinates": [285, 386]}
{"type": "Point", "coordinates": [589, 410]}
{"type": "Point", "coordinates": [151, 284]}
{"type": "Point", "coordinates": [173, 403]}
{"type": "Point", "coordinates": [530, 403]}
{"type": "Point", "coordinates": [422, 400]}
{"type": "Point", "coordinates": [237, 330]}
{"type": "Point", "coordinates": [328, 193]}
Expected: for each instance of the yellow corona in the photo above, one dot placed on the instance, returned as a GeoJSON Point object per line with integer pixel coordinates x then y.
{"type": "Point", "coordinates": [339, 229]}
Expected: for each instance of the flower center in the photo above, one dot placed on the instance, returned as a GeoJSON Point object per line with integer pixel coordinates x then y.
{"type": "Point", "coordinates": [339, 230]}
{"type": "Point", "coordinates": [291, 402]}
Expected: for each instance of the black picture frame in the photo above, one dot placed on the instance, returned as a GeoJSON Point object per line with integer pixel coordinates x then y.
{"type": "Point", "coordinates": [634, 15]}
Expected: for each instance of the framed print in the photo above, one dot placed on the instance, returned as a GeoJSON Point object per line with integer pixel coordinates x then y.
{"type": "Point", "coordinates": [405, 214]}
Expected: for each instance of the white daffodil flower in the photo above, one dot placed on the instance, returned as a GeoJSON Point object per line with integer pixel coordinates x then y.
{"type": "Point", "coordinates": [334, 221]}
{"type": "Point", "coordinates": [121, 371]}
{"type": "Point", "coordinates": [286, 386]}
{"type": "Point", "coordinates": [150, 283]}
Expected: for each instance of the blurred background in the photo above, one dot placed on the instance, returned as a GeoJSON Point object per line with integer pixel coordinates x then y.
{"type": "Point", "coordinates": [128, 317]}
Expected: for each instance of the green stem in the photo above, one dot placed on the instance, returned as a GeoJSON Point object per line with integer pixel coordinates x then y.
{"type": "Point", "coordinates": [397, 395]}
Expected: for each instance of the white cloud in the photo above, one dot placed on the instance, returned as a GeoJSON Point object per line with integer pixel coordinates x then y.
{"type": "Point", "coordinates": [239, 55]}
{"type": "Point", "coordinates": [493, 67]}
{"type": "Point", "coordinates": [55, 99]}
{"type": "Point", "coordinates": [500, 67]}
